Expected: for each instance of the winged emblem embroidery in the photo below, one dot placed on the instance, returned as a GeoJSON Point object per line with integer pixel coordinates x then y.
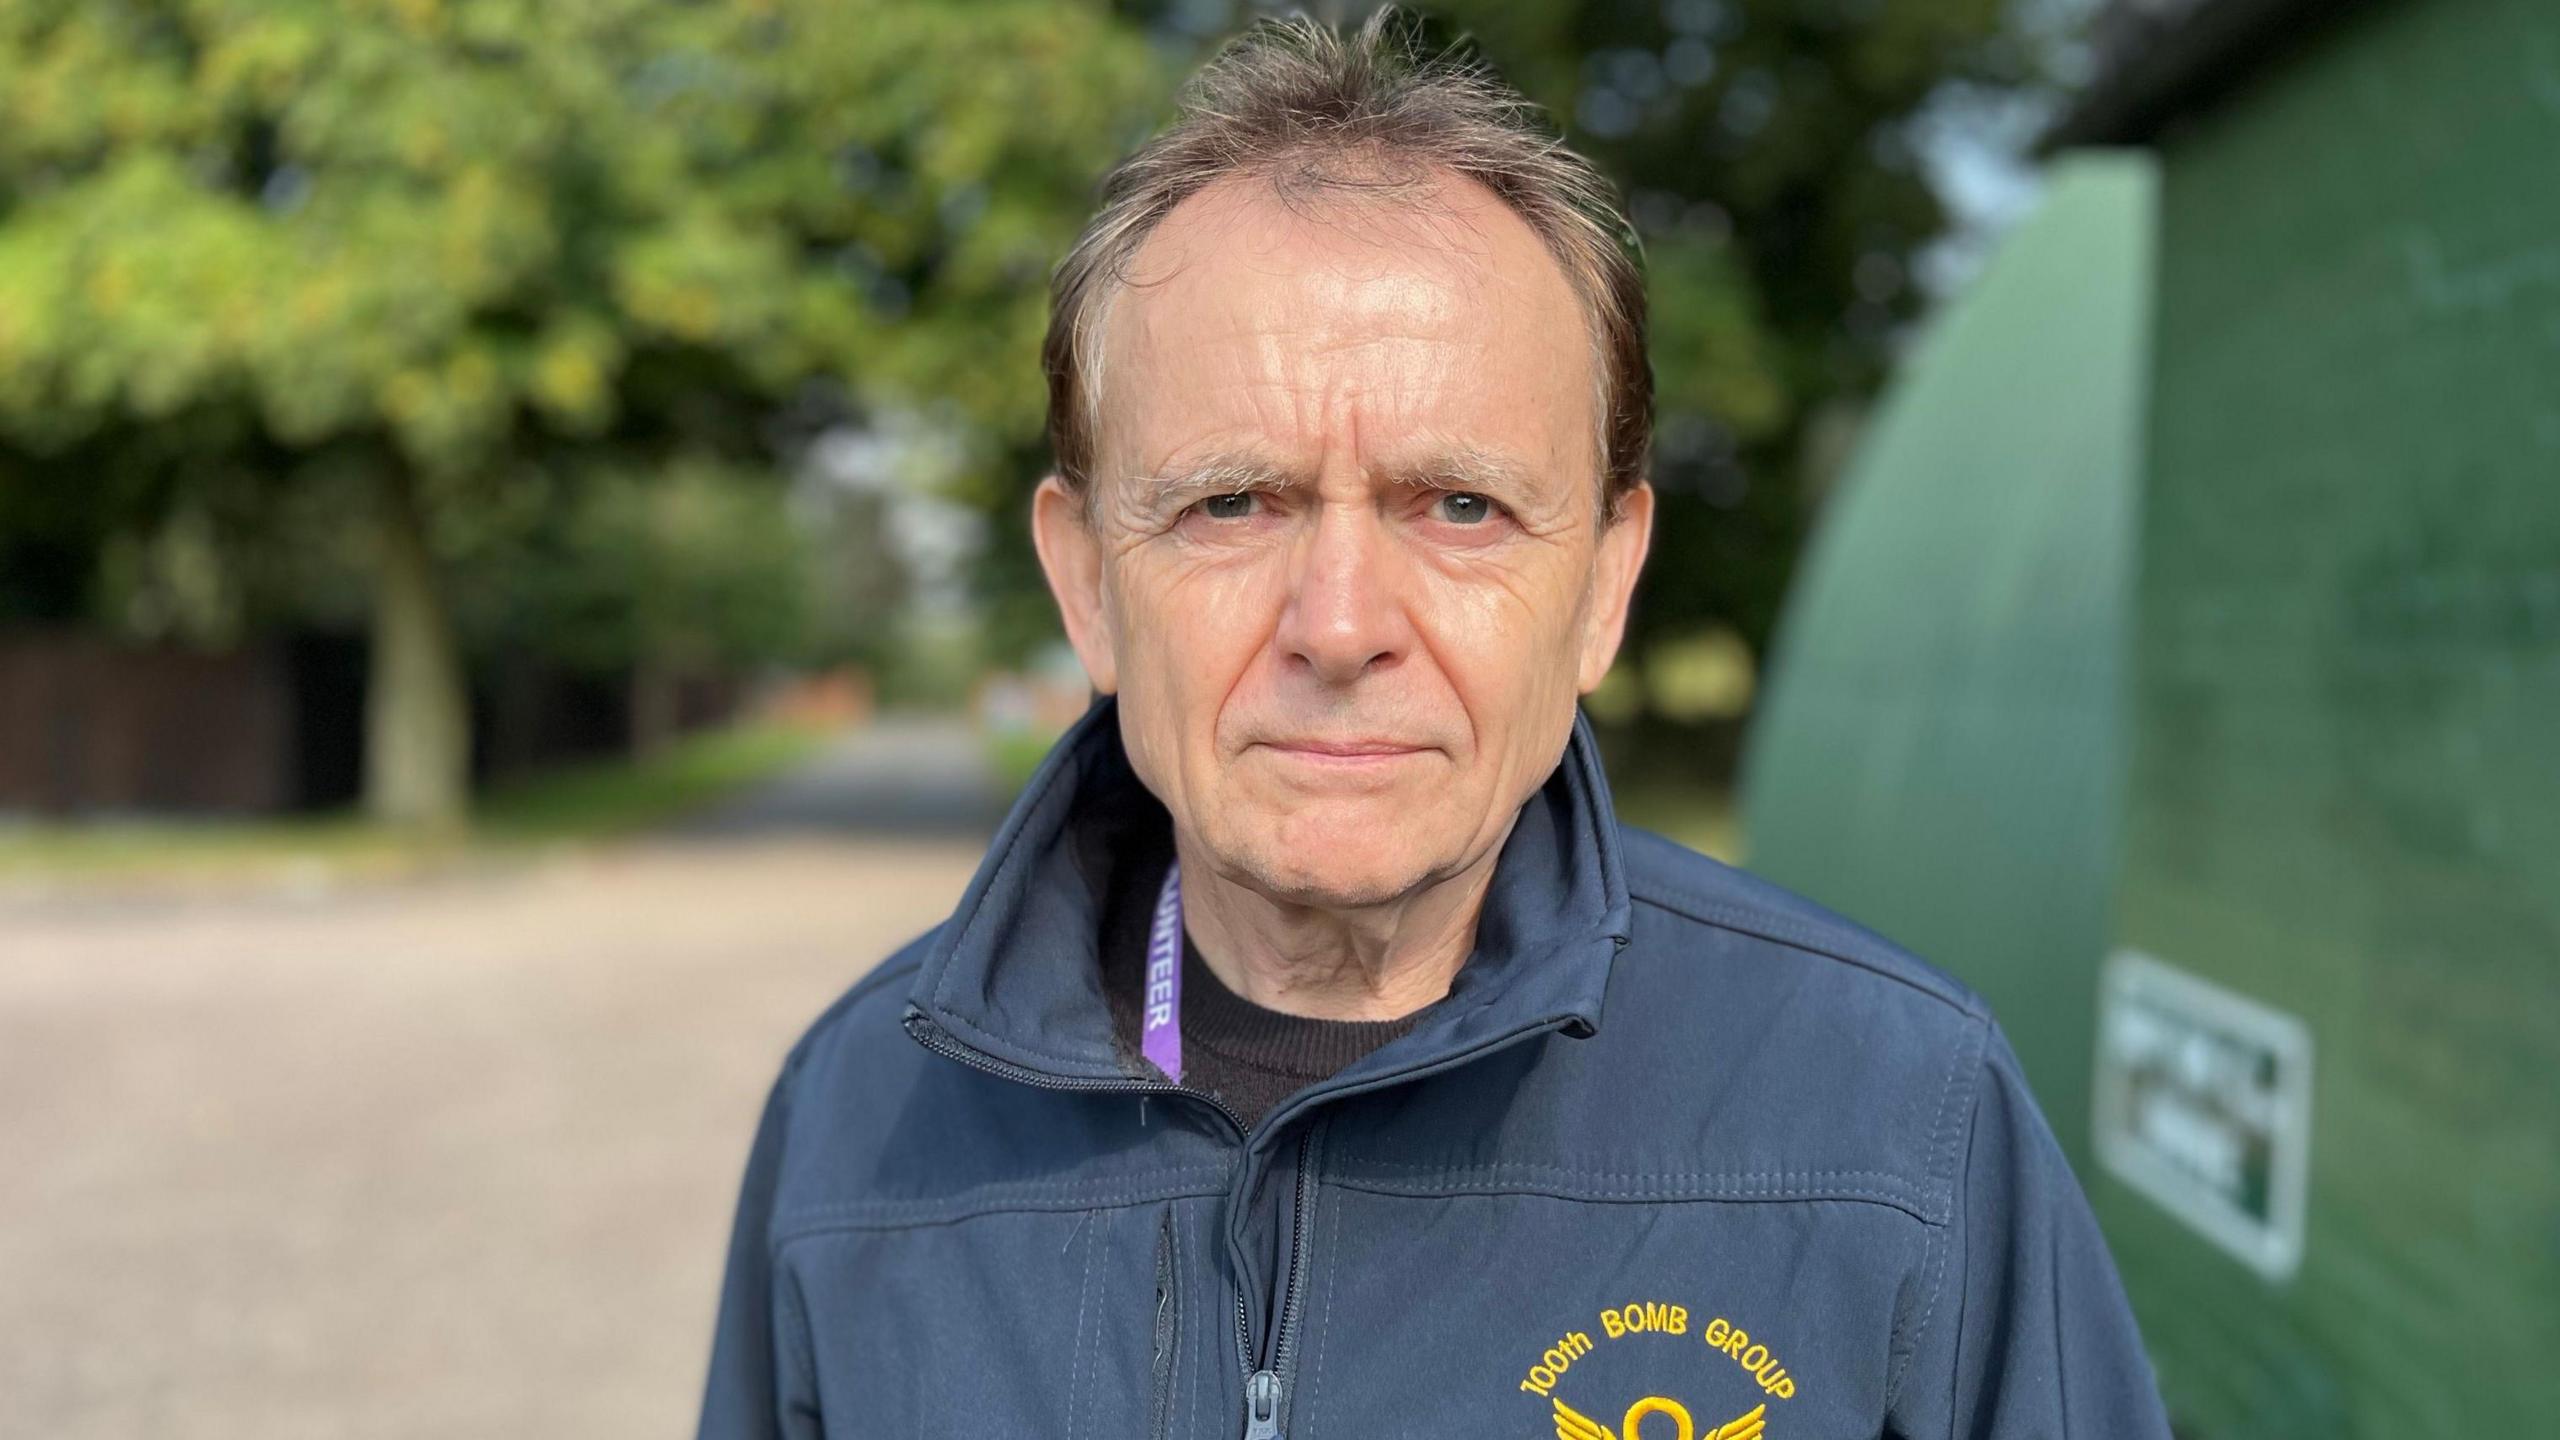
{"type": "Point", "coordinates": [1572, 1424]}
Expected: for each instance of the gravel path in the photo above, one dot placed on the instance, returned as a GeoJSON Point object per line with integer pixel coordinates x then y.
{"type": "Point", "coordinates": [450, 1158]}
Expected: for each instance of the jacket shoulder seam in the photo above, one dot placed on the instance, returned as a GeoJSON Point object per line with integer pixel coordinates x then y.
{"type": "Point", "coordinates": [1956, 1120]}
{"type": "Point", "coordinates": [799, 1340]}
{"type": "Point", "coordinates": [1761, 925]}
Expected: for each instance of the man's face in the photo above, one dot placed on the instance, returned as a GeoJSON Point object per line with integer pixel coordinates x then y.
{"type": "Point", "coordinates": [1343, 562]}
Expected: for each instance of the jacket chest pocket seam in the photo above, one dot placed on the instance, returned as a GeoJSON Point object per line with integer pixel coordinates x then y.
{"type": "Point", "coordinates": [1575, 1192]}
{"type": "Point", "coordinates": [1330, 1212]}
{"type": "Point", "coordinates": [1199, 1364]}
{"type": "Point", "coordinates": [1086, 1353]}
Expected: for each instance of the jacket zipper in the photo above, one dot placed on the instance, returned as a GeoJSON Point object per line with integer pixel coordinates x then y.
{"type": "Point", "coordinates": [1264, 1389]}
{"type": "Point", "coordinates": [1168, 1329]}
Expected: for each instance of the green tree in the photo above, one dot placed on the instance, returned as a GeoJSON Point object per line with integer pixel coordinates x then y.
{"type": "Point", "coordinates": [413, 250]}
{"type": "Point", "coordinates": [663, 574]}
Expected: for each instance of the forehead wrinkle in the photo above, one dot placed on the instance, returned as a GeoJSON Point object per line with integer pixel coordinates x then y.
{"type": "Point", "coordinates": [1366, 245]}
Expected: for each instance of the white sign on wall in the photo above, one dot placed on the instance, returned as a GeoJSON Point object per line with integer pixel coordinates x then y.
{"type": "Point", "coordinates": [2203, 1103]}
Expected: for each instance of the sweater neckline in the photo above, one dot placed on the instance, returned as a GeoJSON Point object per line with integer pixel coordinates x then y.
{"type": "Point", "coordinates": [1300, 1047]}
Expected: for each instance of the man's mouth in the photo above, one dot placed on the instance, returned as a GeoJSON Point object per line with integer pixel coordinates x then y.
{"type": "Point", "coordinates": [1366, 759]}
{"type": "Point", "coordinates": [1347, 749]}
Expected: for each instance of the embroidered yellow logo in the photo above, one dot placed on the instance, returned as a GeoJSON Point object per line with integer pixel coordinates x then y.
{"type": "Point", "coordinates": [1572, 1424]}
{"type": "Point", "coordinates": [1653, 1320]}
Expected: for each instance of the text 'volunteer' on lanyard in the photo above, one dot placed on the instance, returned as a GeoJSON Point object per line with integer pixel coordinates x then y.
{"type": "Point", "coordinates": [1161, 1037]}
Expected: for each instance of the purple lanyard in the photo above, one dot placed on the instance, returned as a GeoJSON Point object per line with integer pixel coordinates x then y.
{"type": "Point", "coordinates": [1161, 1037]}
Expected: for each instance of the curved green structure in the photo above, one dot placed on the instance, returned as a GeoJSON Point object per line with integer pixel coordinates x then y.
{"type": "Point", "coordinates": [1939, 751]}
{"type": "Point", "coordinates": [2213, 732]}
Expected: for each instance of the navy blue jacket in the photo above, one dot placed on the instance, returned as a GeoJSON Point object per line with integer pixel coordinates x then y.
{"type": "Point", "coordinates": [1679, 1155]}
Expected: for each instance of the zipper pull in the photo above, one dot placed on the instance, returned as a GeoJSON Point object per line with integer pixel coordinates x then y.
{"type": "Point", "coordinates": [1262, 1406]}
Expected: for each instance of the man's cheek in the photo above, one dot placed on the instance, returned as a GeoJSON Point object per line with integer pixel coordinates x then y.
{"type": "Point", "coordinates": [1499, 655]}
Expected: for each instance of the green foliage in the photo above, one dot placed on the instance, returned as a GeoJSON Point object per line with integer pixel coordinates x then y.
{"type": "Point", "coordinates": [1698, 814]}
{"type": "Point", "coordinates": [527, 251]}
{"type": "Point", "coordinates": [1015, 755]}
{"type": "Point", "coordinates": [616, 798]}
{"type": "Point", "coordinates": [473, 226]}
{"type": "Point", "coordinates": [690, 565]}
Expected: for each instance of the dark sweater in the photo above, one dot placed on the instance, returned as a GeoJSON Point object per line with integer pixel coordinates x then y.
{"type": "Point", "coordinates": [1250, 1057]}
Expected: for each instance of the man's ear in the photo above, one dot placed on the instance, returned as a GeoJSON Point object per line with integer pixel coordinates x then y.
{"type": "Point", "coordinates": [1619, 559]}
{"type": "Point", "coordinates": [1071, 558]}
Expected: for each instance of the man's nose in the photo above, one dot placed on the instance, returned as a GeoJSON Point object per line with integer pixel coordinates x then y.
{"type": "Point", "coordinates": [1346, 614]}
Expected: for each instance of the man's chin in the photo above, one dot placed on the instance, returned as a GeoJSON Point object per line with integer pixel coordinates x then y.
{"type": "Point", "coordinates": [1333, 889]}
{"type": "Point", "coordinates": [1336, 868]}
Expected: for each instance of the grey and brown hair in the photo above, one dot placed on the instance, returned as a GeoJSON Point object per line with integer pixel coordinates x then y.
{"type": "Point", "coordinates": [1320, 114]}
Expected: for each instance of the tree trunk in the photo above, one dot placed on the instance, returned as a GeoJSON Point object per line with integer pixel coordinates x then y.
{"type": "Point", "coordinates": [417, 715]}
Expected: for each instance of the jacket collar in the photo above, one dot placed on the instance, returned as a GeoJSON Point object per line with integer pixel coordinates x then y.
{"type": "Point", "coordinates": [1014, 972]}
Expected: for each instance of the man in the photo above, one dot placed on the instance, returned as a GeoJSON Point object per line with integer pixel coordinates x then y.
{"type": "Point", "coordinates": [1314, 1054]}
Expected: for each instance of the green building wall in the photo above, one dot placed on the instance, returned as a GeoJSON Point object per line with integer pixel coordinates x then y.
{"type": "Point", "coordinates": [2345, 793]}
{"type": "Point", "coordinates": [2224, 627]}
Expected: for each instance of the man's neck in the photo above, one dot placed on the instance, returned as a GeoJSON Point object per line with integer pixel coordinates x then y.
{"type": "Point", "coordinates": [1374, 962]}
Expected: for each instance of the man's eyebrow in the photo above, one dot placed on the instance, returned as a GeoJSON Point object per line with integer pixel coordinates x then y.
{"type": "Point", "coordinates": [1224, 474]}
{"type": "Point", "coordinates": [1468, 467]}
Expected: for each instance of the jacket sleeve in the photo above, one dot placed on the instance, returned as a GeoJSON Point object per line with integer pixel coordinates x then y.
{"type": "Point", "coordinates": [760, 1385]}
{"type": "Point", "coordinates": [2032, 1337]}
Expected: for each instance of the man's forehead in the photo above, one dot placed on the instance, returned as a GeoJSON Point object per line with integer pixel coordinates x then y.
{"type": "Point", "coordinates": [1434, 217]}
{"type": "Point", "coordinates": [1241, 290]}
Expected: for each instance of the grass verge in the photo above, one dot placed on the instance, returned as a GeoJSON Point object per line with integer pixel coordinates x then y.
{"type": "Point", "coordinates": [1014, 754]}
{"type": "Point", "coordinates": [1702, 817]}
{"type": "Point", "coordinates": [581, 804]}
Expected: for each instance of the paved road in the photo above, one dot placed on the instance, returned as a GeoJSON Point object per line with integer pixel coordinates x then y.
{"type": "Point", "coordinates": [449, 1158]}
{"type": "Point", "coordinates": [906, 776]}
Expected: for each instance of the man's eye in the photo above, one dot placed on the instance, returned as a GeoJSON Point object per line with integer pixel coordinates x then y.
{"type": "Point", "coordinates": [1228, 507]}
{"type": "Point", "coordinates": [1465, 507]}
